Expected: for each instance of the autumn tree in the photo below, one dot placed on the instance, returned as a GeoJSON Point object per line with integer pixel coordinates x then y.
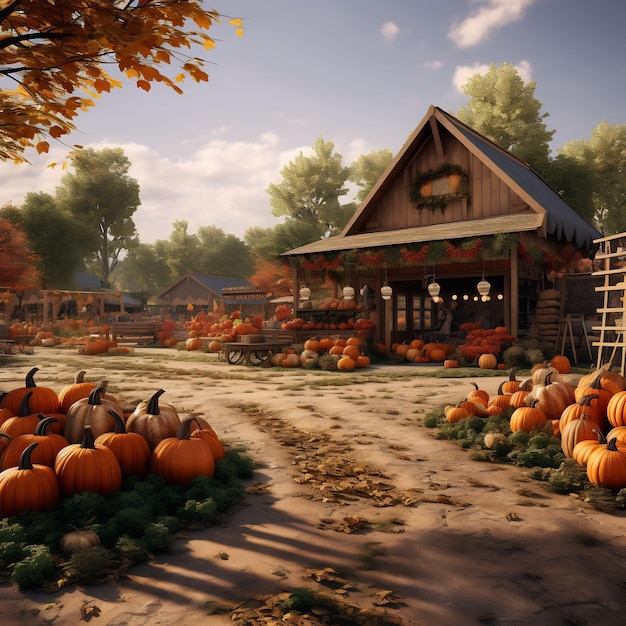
{"type": "Point", "coordinates": [311, 189]}
{"type": "Point", "coordinates": [18, 270]}
{"type": "Point", "coordinates": [504, 108]}
{"type": "Point", "coordinates": [273, 277]}
{"type": "Point", "coordinates": [102, 198]}
{"type": "Point", "coordinates": [366, 170]}
{"type": "Point", "coordinates": [604, 157]}
{"type": "Point", "coordinates": [53, 57]}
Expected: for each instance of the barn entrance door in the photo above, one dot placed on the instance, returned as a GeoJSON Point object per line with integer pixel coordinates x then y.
{"type": "Point", "coordinates": [413, 312]}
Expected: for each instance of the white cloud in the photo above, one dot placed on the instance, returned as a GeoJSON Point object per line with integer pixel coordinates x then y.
{"type": "Point", "coordinates": [479, 25]}
{"type": "Point", "coordinates": [222, 184]}
{"type": "Point", "coordinates": [463, 72]}
{"type": "Point", "coordinates": [433, 65]}
{"type": "Point", "coordinates": [389, 31]}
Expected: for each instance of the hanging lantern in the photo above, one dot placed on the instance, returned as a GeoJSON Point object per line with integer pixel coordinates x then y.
{"type": "Point", "coordinates": [386, 291]}
{"type": "Point", "coordinates": [305, 293]}
{"type": "Point", "coordinates": [434, 288]}
{"type": "Point", "coordinates": [348, 293]}
{"type": "Point", "coordinates": [483, 287]}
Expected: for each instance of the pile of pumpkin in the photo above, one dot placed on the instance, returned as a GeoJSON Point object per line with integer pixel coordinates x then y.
{"type": "Point", "coordinates": [588, 417]}
{"type": "Point", "coordinates": [55, 445]}
{"type": "Point", "coordinates": [418, 351]}
{"type": "Point", "coordinates": [344, 355]}
{"type": "Point", "coordinates": [208, 333]}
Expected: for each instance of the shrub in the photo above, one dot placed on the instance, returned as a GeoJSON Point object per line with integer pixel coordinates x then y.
{"type": "Point", "coordinates": [35, 569]}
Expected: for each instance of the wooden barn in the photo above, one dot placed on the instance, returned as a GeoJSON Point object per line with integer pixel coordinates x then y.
{"type": "Point", "coordinates": [198, 292]}
{"type": "Point", "coordinates": [454, 224]}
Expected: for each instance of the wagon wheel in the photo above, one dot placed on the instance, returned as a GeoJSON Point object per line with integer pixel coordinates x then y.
{"type": "Point", "coordinates": [235, 357]}
{"type": "Point", "coordinates": [257, 357]}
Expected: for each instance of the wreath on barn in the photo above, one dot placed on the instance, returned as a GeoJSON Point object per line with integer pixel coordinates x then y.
{"type": "Point", "coordinates": [424, 192]}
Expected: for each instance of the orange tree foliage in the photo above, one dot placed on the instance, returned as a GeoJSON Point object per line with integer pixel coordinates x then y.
{"type": "Point", "coordinates": [52, 58]}
{"type": "Point", "coordinates": [17, 262]}
{"type": "Point", "coordinates": [272, 276]}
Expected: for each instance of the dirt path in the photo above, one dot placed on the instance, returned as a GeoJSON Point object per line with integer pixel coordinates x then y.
{"type": "Point", "coordinates": [352, 497]}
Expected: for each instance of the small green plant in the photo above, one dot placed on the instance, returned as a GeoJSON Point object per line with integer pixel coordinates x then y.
{"type": "Point", "coordinates": [37, 567]}
{"type": "Point", "coordinates": [89, 566]}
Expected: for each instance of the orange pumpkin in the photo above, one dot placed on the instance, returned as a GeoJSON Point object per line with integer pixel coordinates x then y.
{"type": "Point", "coordinates": [527, 418]}
{"type": "Point", "coordinates": [362, 361]}
{"type": "Point", "coordinates": [75, 391]}
{"type": "Point", "coordinates": [437, 354]}
{"type": "Point", "coordinates": [86, 466]}
{"type": "Point", "coordinates": [606, 465]}
{"type": "Point", "coordinates": [27, 487]}
{"type": "Point", "coordinates": [595, 388]}
{"type": "Point", "coordinates": [179, 459]}
{"type": "Point", "coordinates": [352, 351]}
{"type": "Point", "coordinates": [511, 385]}
{"type": "Point", "coordinates": [478, 393]}
{"type": "Point", "coordinates": [487, 361]}
{"type": "Point", "coordinates": [346, 364]}
{"type": "Point", "coordinates": [130, 449]}
{"type": "Point", "coordinates": [561, 363]}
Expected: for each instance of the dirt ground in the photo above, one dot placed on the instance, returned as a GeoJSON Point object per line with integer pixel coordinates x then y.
{"type": "Point", "coordinates": [353, 498]}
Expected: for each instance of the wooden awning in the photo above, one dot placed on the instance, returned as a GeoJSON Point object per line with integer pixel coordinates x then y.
{"type": "Point", "coordinates": [436, 232]}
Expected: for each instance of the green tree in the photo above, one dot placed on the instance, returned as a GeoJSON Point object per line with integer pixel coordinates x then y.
{"type": "Point", "coordinates": [270, 243]}
{"type": "Point", "coordinates": [504, 108]}
{"type": "Point", "coordinates": [102, 197]}
{"type": "Point", "coordinates": [367, 169]}
{"type": "Point", "coordinates": [604, 156]}
{"type": "Point", "coordinates": [311, 189]}
{"type": "Point", "coordinates": [574, 182]}
{"type": "Point", "coordinates": [223, 254]}
{"type": "Point", "coordinates": [181, 251]}
{"type": "Point", "coordinates": [143, 270]}
{"type": "Point", "coordinates": [56, 237]}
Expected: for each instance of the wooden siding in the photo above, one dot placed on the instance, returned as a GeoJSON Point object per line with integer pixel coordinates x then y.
{"type": "Point", "coordinates": [489, 195]}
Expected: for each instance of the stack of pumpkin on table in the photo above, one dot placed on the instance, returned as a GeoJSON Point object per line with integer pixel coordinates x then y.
{"type": "Point", "coordinates": [55, 445]}
{"type": "Point", "coordinates": [589, 417]}
{"type": "Point", "coordinates": [419, 351]}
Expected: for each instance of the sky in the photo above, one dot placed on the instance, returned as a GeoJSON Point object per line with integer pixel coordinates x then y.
{"type": "Point", "coordinates": [359, 73]}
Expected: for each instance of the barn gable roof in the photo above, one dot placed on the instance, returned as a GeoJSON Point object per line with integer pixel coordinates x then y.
{"type": "Point", "coordinates": [547, 211]}
{"type": "Point", "coordinates": [214, 284]}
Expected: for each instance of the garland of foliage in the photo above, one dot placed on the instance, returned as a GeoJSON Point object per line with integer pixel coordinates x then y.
{"type": "Point", "coordinates": [468, 249]}
{"type": "Point", "coordinates": [438, 201]}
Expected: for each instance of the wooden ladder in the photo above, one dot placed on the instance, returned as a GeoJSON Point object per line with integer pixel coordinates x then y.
{"type": "Point", "coordinates": [612, 331]}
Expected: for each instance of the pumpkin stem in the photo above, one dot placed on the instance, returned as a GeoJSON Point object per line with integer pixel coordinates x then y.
{"type": "Point", "coordinates": [512, 375]}
{"type": "Point", "coordinates": [88, 440]}
{"type": "Point", "coordinates": [184, 430]}
{"type": "Point", "coordinates": [80, 377]}
{"type": "Point", "coordinates": [153, 403]}
{"type": "Point", "coordinates": [41, 430]}
{"type": "Point", "coordinates": [601, 437]}
{"type": "Point", "coordinates": [120, 428]}
{"type": "Point", "coordinates": [30, 377]}
{"type": "Point", "coordinates": [611, 444]}
{"type": "Point", "coordinates": [25, 405]}
{"type": "Point", "coordinates": [587, 398]}
{"type": "Point", "coordinates": [25, 463]}
{"type": "Point", "coordinates": [94, 396]}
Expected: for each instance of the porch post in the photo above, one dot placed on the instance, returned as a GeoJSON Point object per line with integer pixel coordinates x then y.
{"type": "Point", "coordinates": [513, 296]}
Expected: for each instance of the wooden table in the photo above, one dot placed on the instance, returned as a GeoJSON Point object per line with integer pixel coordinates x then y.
{"type": "Point", "coordinates": [250, 353]}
